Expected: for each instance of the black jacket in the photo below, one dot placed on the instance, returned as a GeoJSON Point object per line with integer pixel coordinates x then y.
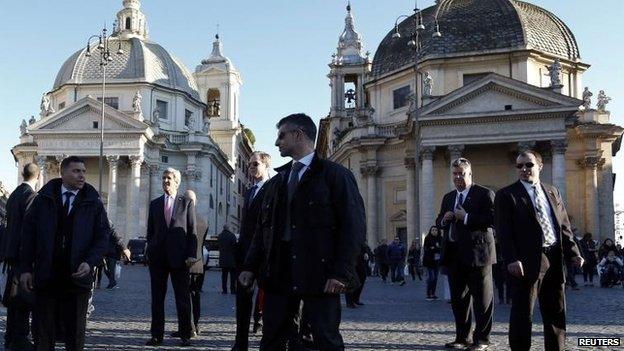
{"type": "Point", "coordinates": [115, 245]}
{"type": "Point", "coordinates": [432, 247]}
{"type": "Point", "coordinates": [327, 229]}
{"type": "Point", "coordinates": [251, 212]}
{"type": "Point", "coordinates": [198, 266]}
{"type": "Point", "coordinates": [16, 206]}
{"type": "Point", "coordinates": [227, 249]}
{"type": "Point", "coordinates": [89, 238]}
{"type": "Point", "coordinates": [170, 245]}
{"type": "Point", "coordinates": [520, 234]}
{"type": "Point", "coordinates": [475, 239]}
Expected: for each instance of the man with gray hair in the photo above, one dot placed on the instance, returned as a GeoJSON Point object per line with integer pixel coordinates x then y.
{"type": "Point", "coordinates": [171, 250]}
{"type": "Point", "coordinates": [467, 218]}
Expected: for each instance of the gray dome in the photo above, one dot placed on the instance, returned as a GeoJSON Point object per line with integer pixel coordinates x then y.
{"type": "Point", "coordinates": [478, 26]}
{"type": "Point", "coordinates": [141, 61]}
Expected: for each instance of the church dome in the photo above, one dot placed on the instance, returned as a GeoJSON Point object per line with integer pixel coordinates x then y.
{"type": "Point", "coordinates": [141, 61]}
{"type": "Point", "coordinates": [478, 27]}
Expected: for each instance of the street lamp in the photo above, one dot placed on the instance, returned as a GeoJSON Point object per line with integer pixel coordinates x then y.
{"type": "Point", "coordinates": [415, 44]}
{"type": "Point", "coordinates": [103, 49]}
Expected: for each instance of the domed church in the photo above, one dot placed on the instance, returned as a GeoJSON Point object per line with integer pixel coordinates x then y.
{"type": "Point", "coordinates": [491, 78]}
{"type": "Point", "coordinates": [157, 114]}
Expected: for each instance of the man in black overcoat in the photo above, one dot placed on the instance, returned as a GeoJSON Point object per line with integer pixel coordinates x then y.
{"type": "Point", "coordinates": [535, 235]}
{"type": "Point", "coordinates": [468, 252]}
{"type": "Point", "coordinates": [311, 229]}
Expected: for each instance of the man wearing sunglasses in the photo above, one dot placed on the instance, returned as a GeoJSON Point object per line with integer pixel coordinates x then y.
{"type": "Point", "coordinates": [309, 234]}
{"type": "Point", "coordinates": [468, 252]}
{"type": "Point", "coordinates": [535, 237]}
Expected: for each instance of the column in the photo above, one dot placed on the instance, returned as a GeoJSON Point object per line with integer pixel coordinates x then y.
{"type": "Point", "coordinates": [592, 207]}
{"type": "Point", "coordinates": [370, 172]}
{"type": "Point", "coordinates": [427, 191]}
{"type": "Point", "coordinates": [155, 181]}
{"type": "Point", "coordinates": [191, 171]}
{"type": "Point", "coordinates": [113, 161]}
{"type": "Point", "coordinates": [558, 149]}
{"type": "Point", "coordinates": [41, 162]}
{"type": "Point", "coordinates": [455, 152]}
{"type": "Point", "coordinates": [134, 191]}
{"type": "Point", "coordinates": [412, 231]}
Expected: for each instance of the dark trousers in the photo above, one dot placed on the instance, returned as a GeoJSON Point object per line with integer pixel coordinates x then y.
{"type": "Point", "coordinates": [197, 282]}
{"type": "Point", "coordinates": [396, 272]}
{"type": "Point", "coordinates": [18, 314]}
{"type": "Point", "coordinates": [244, 305]}
{"type": "Point", "coordinates": [322, 312]}
{"type": "Point", "coordinates": [109, 270]}
{"type": "Point", "coordinates": [571, 275]}
{"type": "Point", "coordinates": [383, 270]}
{"type": "Point", "coordinates": [354, 296]}
{"type": "Point", "coordinates": [471, 286]}
{"type": "Point", "coordinates": [180, 280]}
{"type": "Point", "coordinates": [224, 278]}
{"type": "Point", "coordinates": [414, 270]}
{"type": "Point", "coordinates": [432, 280]}
{"type": "Point", "coordinates": [549, 290]}
{"type": "Point", "coordinates": [588, 272]}
{"type": "Point", "coordinates": [71, 309]}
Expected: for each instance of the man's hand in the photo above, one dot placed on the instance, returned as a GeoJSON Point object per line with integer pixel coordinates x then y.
{"type": "Point", "coordinates": [515, 269]}
{"type": "Point", "coordinates": [26, 280]}
{"type": "Point", "coordinates": [245, 278]}
{"type": "Point", "coordinates": [460, 213]}
{"type": "Point", "coordinates": [82, 271]}
{"type": "Point", "coordinates": [578, 261]}
{"type": "Point", "coordinates": [334, 286]}
{"type": "Point", "coordinates": [190, 261]}
{"type": "Point", "coordinates": [127, 254]}
{"type": "Point", "coordinates": [448, 217]}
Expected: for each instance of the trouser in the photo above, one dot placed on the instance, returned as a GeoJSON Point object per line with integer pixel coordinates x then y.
{"type": "Point", "coordinates": [432, 280]}
{"type": "Point", "coordinates": [244, 305]}
{"type": "Point", "coordinates": [180, 280]}
{"type": "Point", "coordinates": [549, 290]}
{"type": "Point", "coordinates": [471, 290]}
{"type": "Point", "coordinates": [396, 272]}
{"type": "Point", "coordinates": [354, 296]}
{"type": "Point", "coordinates": [18, 313]}
{"type": "Point", "coordinates": [383, 270]}
{"type": "Point", "coordinates": [71, 309]}
{"type": "Point", "coordinates": [98, 275]}
{"type": "Point", "coordinates": [197, 282]}
{"type": "Point", "coordinates": [322, 312]}
{"type": "Point", "coordinates": [224, 278]}
{"type": "Point", "coordinates": [414, 271]}
{"type": "Point", "coordinates": [588, 273]}
{"type": "Point", "coordinates": [570, 276]}
{"type": "Point", "coordinates": [109, 270]}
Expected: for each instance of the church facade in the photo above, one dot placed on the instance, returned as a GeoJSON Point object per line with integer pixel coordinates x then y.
{"type": "Point", "coordinates": [492, 77]}
{"type": "Point", "coordinates": [157, 114]}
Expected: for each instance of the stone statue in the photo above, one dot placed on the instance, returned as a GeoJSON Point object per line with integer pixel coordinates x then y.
{"type": "Point", "coordinates": [603, 100]}
{"type": "Point", "coordinates": [412, 102]}
{"type": "Point", "coordinates": [46, 107]}
{"type": "Point", "coordinates": [206, 126]}
{"type": "Point", "coordinates": [587, 99]}
{"type": "Point", "coordinates": [427, 85]}
{"type": "Point", "coordinates": [156, 114]}
{"type": "Point", "coordinates": [23, 127]}
{"type": "Point", "coordinates": [554, 71]}
{"type": "Point", "coordinates": [32, 120]}
{"type": "Point", "coordinates": [136, 103]}
{"type": "Point", "coordinates": [191, 122]}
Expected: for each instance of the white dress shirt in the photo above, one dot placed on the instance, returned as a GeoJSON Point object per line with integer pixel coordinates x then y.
{"type": "Point", "coordinates": [305, 160]}
{"type": "Point", "coordinates": [258, 186]}
{"type": "Point", "coordinates": [71, 199]}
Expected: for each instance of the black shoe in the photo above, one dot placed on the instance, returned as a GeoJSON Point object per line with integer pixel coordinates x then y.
{"type": "Point", "coordinates": [402, 283]}
{"type": "Point", "coordinates": [478, 347]}
{"type": "Point", "coordinates": [457, 345]}
{"type": "Point", "coordinates": [154, 342]}
{"type": "Point", "coordinates": [185, 342]}
{"type": "Point", "coordinates": [351, 305]}
{"type": "Point", "coordinates": [358, 303]}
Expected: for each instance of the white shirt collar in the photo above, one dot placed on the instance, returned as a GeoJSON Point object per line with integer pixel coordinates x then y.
{"type": "Point", "coordinates": [64, 190]}
{"type": "Point", "coordinates": [529, 186]}
{"type": "Point", "coordinates": [464, 192]}
{"type": "Point", "coordinates": [306, 160]}
{"type": "Point", "coordinates": [259, 184]}
{"type": "Point", "coordinates": [172, 196]}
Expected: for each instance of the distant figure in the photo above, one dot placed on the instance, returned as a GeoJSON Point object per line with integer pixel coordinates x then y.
{"type": "Point", "coordinates": [603, 100]}
{"type": "Point", "coordinates": [587, 99]}
{"type": "Point", "coordinates": [227, 259]}
{"type": "Point", "coordinates": [431, 260]}
{"type": "Point", "coordinates": [396, 259]}
{"type": "Point", "coordinates": [381, 259]}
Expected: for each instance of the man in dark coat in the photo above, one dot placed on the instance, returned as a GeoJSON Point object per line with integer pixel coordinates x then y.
{"type": "Point", "coordinates": [534, 232]}
{"type": "Point", "coordinates": [468, 252]}
{"type": "Point", "coordinates": [396, 258]}
{"type": "Point", "coordinates": [353, 298]}
{"type": "Point", "coordinates": [310, 232]}
{"type": "Point", "coordinates": [259, 164]}
{"type": "Point", "coordinates": [227, 259]}
{"type": "Point", "coordinates": [381, 259]}
{"type": "Point", "coordinates": [64, 236]}
{"type": "Point", "coordinates": [18, 313]}
{"type": "Point", "coordinates": [171, 250]}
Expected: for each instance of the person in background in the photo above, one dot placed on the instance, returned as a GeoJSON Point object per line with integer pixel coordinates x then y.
{"type": "Point", "coordinates": [413, 260]}
{"type": "Point", "coordinates": [353, 297]}
{"type": "Point", "coordinates": [431, 260]}
{"type": "Point", "coordinates": [590, 254]}
{"type": "Point", "coordinates": [611, 268]}
{"type": "Point", "coordinates": [606, 246]}
{"type": "Point", "coordinates": [396, 258]}
{"type": "Point", "coordinates": [381, 259]}
{"type": "Point", "coordinates": [227, 259]}
{"type": "Point", "coordinates": [116, 251]}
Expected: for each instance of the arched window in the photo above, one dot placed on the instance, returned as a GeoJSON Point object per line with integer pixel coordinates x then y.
{"type": "Point", "coordinates": [213, 99]}
{"type": "Point", "coordinates": [128, 22]}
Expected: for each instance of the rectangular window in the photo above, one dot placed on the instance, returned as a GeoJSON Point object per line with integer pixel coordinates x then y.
{"type": "Point", "coordinates": [61, 105]}
{"type": "Point", "coordinates": [165, 159]}
{"type": "Point", "coordinates": [469, 78]}
{"type": "Point", "coordinates": [400, 96]}
{"type": "Point", "coordinates": [163, 109]}
{"type": "Point", "coordinates": [96, 125]}
{"type": "Point", "coordinates": [111, 101]}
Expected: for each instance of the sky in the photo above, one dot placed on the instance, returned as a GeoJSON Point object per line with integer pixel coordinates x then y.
{"type": "Point", "coordinates": [281, 48]}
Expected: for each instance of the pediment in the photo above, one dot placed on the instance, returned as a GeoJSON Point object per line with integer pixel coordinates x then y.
{"type": "Point", "coordinates": [495, 93]}
{"type": "Point", "coordinates": [82, 115]}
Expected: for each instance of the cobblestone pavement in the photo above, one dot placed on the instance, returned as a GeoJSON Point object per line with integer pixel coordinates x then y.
{"type": "Point", "coordinates": [393, 318]}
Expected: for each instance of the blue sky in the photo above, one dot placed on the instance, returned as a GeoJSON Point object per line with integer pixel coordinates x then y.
{"type": "Point", "coordinates": [281, 47]}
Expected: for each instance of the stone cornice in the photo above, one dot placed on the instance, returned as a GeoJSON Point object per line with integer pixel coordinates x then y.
{"type": "Point", "coordinates": [493, 117]}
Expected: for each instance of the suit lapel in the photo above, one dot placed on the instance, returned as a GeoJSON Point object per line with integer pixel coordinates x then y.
{"type": "Point", "coordinates": [525, 198]}
{"type": "Point", "coordinates": [177, 207]}
{"type": "Point", "coordinates": [160, 205]}
{"type": "Point", "coordinates": [469, 196]}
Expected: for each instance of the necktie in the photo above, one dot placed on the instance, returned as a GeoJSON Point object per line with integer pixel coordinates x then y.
{"type": "Point", "coordinates": [168, 209]}
{"type": "Point", "coordinates": [460, 200]}
{"type": "Point", "coordinates": [293, 180]}
{"type": "Point", "coordinates": [68, 195]}
{"type": "Point", "coordinates": [543, 216]}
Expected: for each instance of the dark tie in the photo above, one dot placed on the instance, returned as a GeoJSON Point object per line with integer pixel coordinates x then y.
{"type": "Point", "coordinates": [251, 194]}
{"type": "Point", "coordinates": [68, 195]}
{"type": "Point", "coordinates": [293, 180]}
{"type": "Point", "coordinates": [460, 200]}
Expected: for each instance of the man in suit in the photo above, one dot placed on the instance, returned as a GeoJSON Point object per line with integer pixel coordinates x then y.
{"type": "Point", "coordinates": [467, 217]}
{"type": "Point", "coordinates": [534, 232]}
{"type": "Point", "coordinates": [171, 250]}
{"type": "Point", "coordinates": [311, 228]}
{"type": "Point", "coordinates": [65, 234]}
{"type": "Point", "coordinates": [18, 313]}
{"type": "Point", "coordinates": [258, 170]}
{"type": "Point", "coordinates": [227, 259]}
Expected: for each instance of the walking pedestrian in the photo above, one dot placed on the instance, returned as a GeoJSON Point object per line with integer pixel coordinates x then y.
{"type": "Point", "coordinates": [227, 259]}
{"type": "Point", "coordinates": [396, 259]}
{"type": "Point", "coordinates": [431, 260]}
{"type": "Point", "coordinates": [413, 260]}
{"type": "Point", "coordinates": [590, 254]}
{"type": "Point", "coordinates": [381, 259]}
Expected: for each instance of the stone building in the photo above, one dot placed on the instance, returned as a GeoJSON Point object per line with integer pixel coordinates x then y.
{"type": "Point", "coordinates": [4, 197]}
{"type": "Point", "coordinates": [157, 114]}
{"type": "Point", "coordinates": [494, 77]}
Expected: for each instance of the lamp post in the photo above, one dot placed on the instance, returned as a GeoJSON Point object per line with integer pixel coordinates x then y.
{"type": "Point", "coordinates": [103, 49]}
{"type": "Point", "coordinates": [415, 44]}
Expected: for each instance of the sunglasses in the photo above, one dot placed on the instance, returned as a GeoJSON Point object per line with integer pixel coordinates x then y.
{"type": "Point", "coordinates": [528, 165]}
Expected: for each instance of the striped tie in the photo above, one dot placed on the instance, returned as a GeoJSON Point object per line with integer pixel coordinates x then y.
{"type": "Point", "coordinates": [543, 216]}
